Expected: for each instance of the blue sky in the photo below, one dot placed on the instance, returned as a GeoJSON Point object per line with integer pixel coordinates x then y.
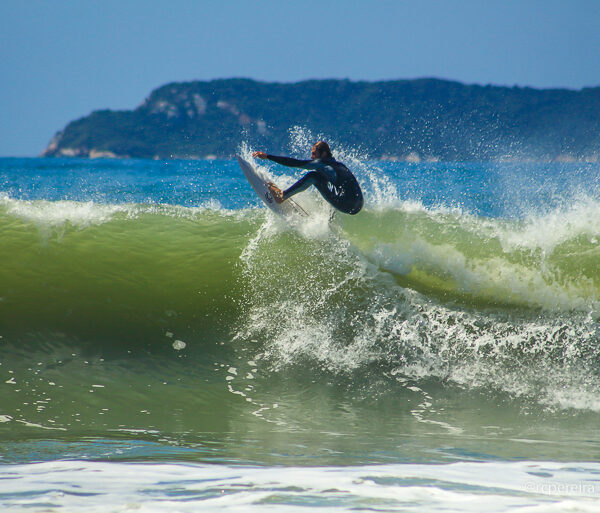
{"type": "Point", "coordinates": [60, 60]}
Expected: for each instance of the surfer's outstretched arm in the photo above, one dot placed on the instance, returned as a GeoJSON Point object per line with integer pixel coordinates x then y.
{"type": "Point", "coordinates": [289, 161]}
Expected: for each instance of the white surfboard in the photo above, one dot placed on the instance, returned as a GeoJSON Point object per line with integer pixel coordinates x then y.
{"type": "Point", "coordinates": [259, 184]}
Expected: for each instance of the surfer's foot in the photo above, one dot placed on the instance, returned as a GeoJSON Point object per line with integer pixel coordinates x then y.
{"type": "Point", "coordinates": [276, 192]}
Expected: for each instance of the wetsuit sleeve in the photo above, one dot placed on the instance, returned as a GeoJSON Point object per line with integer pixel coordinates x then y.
{"type": "Point", "coordinates": [301, 185]}
{"type": "Point", "coordinates": [289, 162]}
{"type": "Point", "coordinates": [304, 164]}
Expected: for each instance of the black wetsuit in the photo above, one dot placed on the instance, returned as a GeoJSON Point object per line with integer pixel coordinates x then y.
{"type": "Point", "coordinates": [331, 178]}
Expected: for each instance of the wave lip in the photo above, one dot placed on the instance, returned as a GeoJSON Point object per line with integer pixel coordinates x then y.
{"type": "Point", "coordinates": [449, 252]}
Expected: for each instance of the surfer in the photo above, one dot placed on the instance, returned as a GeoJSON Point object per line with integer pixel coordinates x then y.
{"type": "Point", "coordinates": [333, 180]}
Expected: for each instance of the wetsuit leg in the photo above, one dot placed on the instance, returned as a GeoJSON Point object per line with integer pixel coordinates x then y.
{"type": "Point", "coordinates": [301, 185]}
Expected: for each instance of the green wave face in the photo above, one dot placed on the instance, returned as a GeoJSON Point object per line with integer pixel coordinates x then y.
{"type": "Point", "coordinates": [67, 263]}
{"type": "Point", "coordinates": [118, 268]}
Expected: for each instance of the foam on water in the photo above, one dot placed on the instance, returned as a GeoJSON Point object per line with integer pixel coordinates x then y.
{"type": "Point", "coordinates": [523, 486]}
{"type": "Point", "coordinates": [52, 215]}
{"type": "Point", "coordinates": [56, 213]}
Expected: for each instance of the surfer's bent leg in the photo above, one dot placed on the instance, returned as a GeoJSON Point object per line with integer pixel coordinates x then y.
{"type": "Point", "coordinates": [301, 185]}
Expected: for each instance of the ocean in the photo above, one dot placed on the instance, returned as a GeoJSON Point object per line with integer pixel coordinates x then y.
{"type": "Point", "coordinates": [169, 344]}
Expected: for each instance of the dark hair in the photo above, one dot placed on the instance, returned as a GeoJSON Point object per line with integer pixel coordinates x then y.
{"type": "Point", "coordinates": [323, 148]}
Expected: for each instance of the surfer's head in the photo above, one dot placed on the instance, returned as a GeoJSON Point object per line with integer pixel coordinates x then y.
{"type": "Point", "coordinates": [320, 150]}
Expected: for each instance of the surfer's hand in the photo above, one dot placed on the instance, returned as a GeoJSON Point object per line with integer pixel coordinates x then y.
{"type": "Point", "coordinates": [259, 155]}
{"type": "Point", "coordinates": [276, 192]}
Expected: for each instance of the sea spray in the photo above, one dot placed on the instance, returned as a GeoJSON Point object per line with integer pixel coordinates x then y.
{"type": "Point", "coordinates": [339, 312]}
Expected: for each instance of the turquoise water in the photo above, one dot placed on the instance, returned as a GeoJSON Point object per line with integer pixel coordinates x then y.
{"type": "Point", "coordinates": [167, 344]}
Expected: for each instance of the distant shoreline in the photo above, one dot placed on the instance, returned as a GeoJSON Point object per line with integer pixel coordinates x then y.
{"type": "Point", "coordinates": [421, 120]}
{"type": "Point", "coordinates": [566, 160]}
